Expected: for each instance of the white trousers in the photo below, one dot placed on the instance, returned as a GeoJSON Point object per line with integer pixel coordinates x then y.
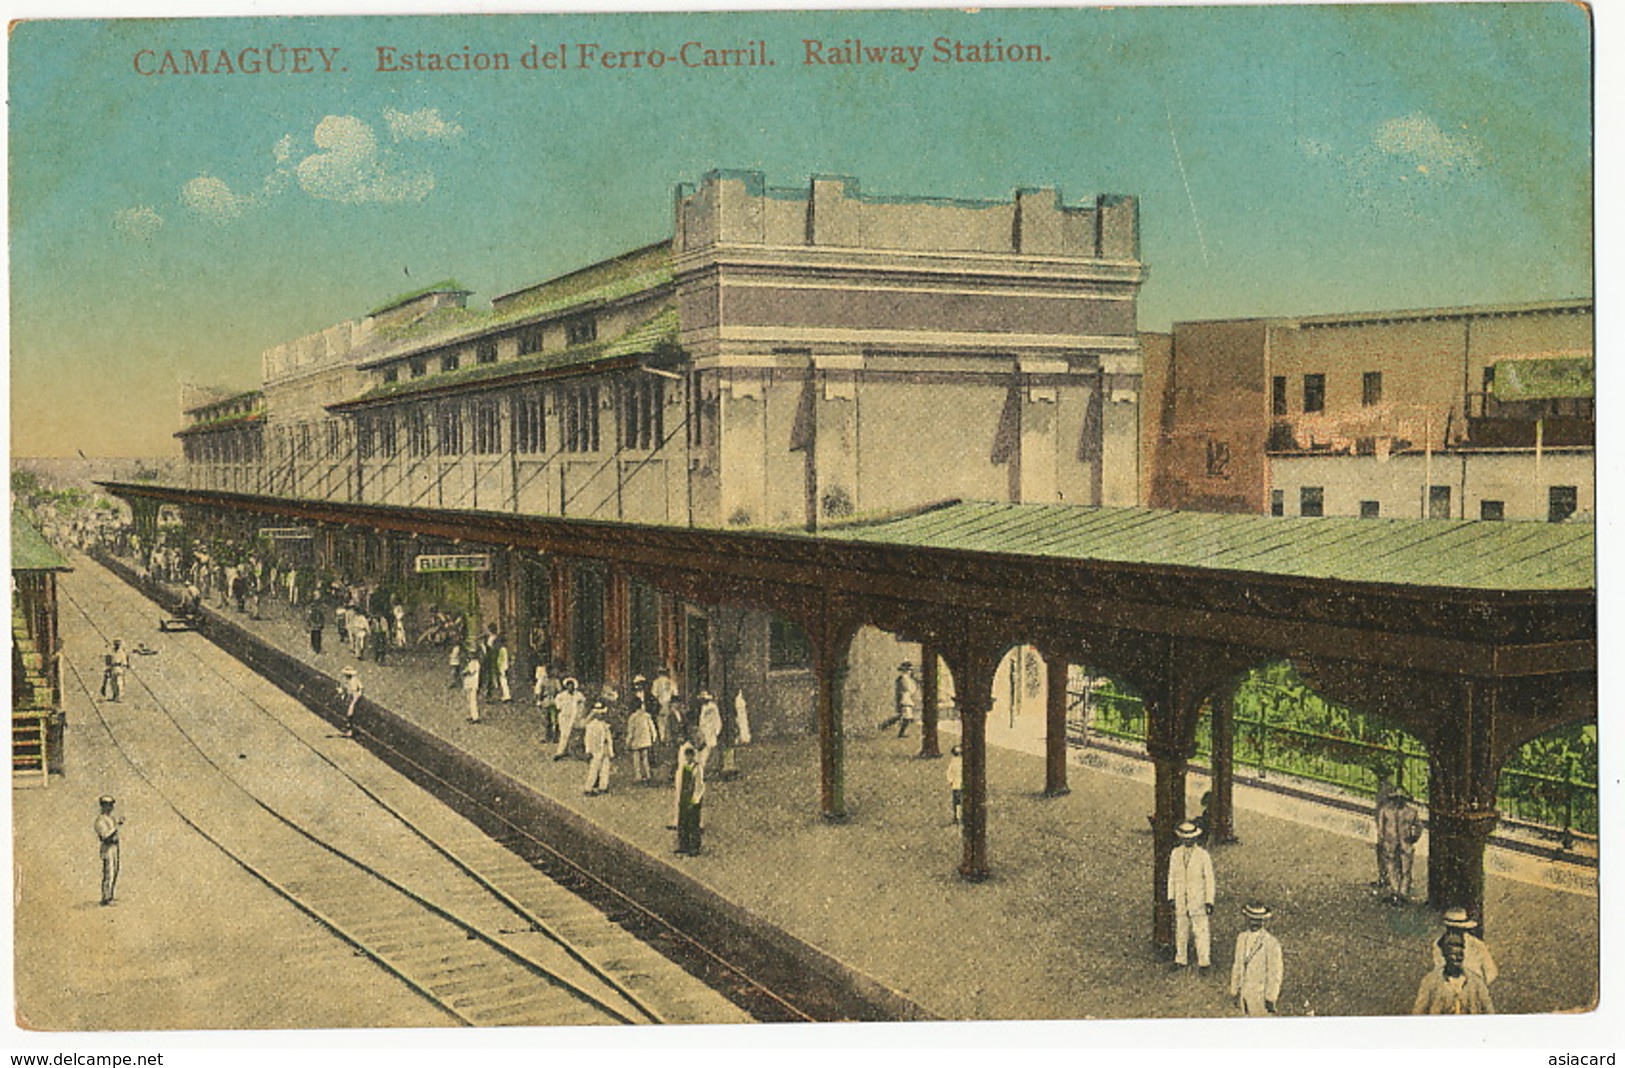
{"type": "Point", "coordinates": [1185, 926]}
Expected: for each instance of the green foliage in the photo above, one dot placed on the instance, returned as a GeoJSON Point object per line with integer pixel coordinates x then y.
{"type": "Point", "coordinates": [1282, 726]}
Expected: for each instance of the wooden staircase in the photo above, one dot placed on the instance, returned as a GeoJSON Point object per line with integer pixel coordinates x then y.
{"type": "Point", "coordinates": [30, 706]}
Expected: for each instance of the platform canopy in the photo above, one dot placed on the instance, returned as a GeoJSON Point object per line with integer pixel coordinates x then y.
{"type": "Point", "coordinates": [29, 549]}
{"type": "Point", "coordinates": [1458, 554]}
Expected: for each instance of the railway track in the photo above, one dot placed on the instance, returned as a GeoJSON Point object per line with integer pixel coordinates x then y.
{"type": "Point", "coordinates": [458, 917]}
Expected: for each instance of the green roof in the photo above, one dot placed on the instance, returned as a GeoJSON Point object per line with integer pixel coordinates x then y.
{"type": "Point", "coordinates": [652, 336]}
{"type": "Point", "coordinates": [624, 276]}
{"type": "Point", "coordinates": [447, 285]}
{"type": "Point", "coordinates": [1454, 554]}
{"type": "Point", "coordinates": [29, 549]}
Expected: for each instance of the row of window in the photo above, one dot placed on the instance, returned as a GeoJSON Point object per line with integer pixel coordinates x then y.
{"type": "Point", "coordinates": [579, 331]}
{"type": "Point", "coordinates": [477, 426]}
{"type": "Point", "coordinates": [1561, 503]}
{"type": "Point", "coordinates": [222, 449]}
{"type": "Point", "coordinates": [1314, 392]}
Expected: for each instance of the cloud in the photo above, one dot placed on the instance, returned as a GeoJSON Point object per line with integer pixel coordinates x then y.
{"type": "Point", "coordinates": [213, 199]}
{"type": "Point", "coordinates": [422, 125]}
{"type": "Point", "coordinates": [1418, 140]}
{"type": "Point", "coordinates": [351, 169]}
{"type": "Point", "coordinates": [140, 223]}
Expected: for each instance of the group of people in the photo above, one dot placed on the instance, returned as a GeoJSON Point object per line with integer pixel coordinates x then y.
{"type": "Point", "coordinates": [654, 725]}
{"type": "Point", "coordinates": [1462, 967]}
{"type": "Point", "coordinates": [481, 670]}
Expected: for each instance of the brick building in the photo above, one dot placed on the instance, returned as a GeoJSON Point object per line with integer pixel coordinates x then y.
{"type": "Point", "coordinates": [1466, 413]}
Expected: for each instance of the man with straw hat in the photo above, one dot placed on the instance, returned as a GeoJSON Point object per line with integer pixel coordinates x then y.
{"type": "Point", "coordinates": [350, 691]}
{"type": "Point", "coordinates": [1476, 955]}
{"type": "Point", "coordinates": [600, 745]}
{"type": "Point", "coordinates": [1190, 891]}
{"type": "Point", "coordinates": [1255, 976]}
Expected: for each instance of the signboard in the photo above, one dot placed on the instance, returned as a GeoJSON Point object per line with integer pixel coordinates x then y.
{"type": "Point", "coordinates": [287, 533]}
{"type": "Point", "coordinates": [428, 565]}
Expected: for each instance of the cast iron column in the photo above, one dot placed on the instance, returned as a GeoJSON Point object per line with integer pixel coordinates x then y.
{"type": "Point", "coordinates": [1169, 764]}
{"type": "Point", "coordinates": [975, 701]}
{"type": "Point", "coordinates": [1055, 747]}
{"type": "Point", "coordinates": [930, 676]}
{"type": "Point", "coordinates": [1221, 812]}
{"type": "Point", "coordinates": [829, 661]}
{"type": "Point", "coordinates": [1462, 774]}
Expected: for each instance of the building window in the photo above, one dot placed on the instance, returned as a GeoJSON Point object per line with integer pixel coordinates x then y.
{"type": "Point", "coordinates": [487, 427]}
{"type": "Point", "coordinates": [1311, 500]}
{"type": "Point", "coordinates": [392, 374]}
{"type": "Point", "coordinates": [450, 362]}
{"type": "Point", "coordinates": [1218, 459]}
{"type": "Point", "coordinates": [642, 412]}
{"type": "Point", "coordinates": [1370, 509]}
{"type": "Point", "coordinates": [363, 438]}
{"type": "Point", "coordinates": [1492, 510]}
{"type": "Point", "coordinates": [580, 419]}
{"type": "Point", "coordinates": [485, 352]}
{"type": "Point", "coordinates": [419, 368]}
{"type": "Point", "coordinates": [787, 646]}
{"type": "Point", "coordinates": [1277, 502]}
{"type": "Point", "coordinates": [332, 439]}
{"type": "Point", "coordinates": [582, 331]}
{"type": "Point", "coordinates": [417, 432]}
{"type": "Point", "coordinates": [1278, 395]}
{"type": "Point", "coordinates": [1371, 389]}
{"type": "Point", "coordinates": [451, 429]}
{"type": "Point", "coordinates": [1561, 502]}
{"type": "Point", "coordinates": [1314, 393]}
{"type": "Point", "coordinates": [1438, 502]}
{"type": "Point", "coordinates": [529, 431]}
{"type": "Point", "coordinates": [530, 341]}
{"type": "Point", "coordinates": [386, 435]}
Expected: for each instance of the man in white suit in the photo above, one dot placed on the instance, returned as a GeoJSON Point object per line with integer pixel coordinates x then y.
{"type": "Point", "coordinates": [1255, 977]}
{"type": "Point", "coordinates": [1190, 890]}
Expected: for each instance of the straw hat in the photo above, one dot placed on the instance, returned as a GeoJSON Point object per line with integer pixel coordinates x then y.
{"type": "Point", "coordinates": [1188, 831]}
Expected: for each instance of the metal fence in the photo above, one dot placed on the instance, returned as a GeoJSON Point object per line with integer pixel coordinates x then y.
{"type": "Point", "coordinates": [1283, 728]}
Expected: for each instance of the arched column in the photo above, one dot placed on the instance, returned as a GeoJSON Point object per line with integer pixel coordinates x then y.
{"type": "Point", "coordinates": [1463, 766]}
{"type": "Point", "coordinates": [831, 640]}
{"type": "Point", "coordinates": [1055, 741]}
{"type": "Point", "coordinates": [1175, 679]}
{"type": "Point", "coordinates": [930, 691]}
{"type": "Point", "coordinates": [974, 660]}
{"type": "Point", "coordinates": [1221, 812]}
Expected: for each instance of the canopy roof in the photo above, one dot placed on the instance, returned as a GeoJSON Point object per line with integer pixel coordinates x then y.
{"type": "Point", "coordinates": [29, 549]}
{"type": "Point", "coordinates": [1460, 554]}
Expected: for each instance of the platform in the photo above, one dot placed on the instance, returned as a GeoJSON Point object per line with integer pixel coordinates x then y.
{"type": "Point", "coordinates": [1062, 929]}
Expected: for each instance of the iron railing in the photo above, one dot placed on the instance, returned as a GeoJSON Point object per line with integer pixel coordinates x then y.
{"type": "Point", "coordinates": [1268, 742]}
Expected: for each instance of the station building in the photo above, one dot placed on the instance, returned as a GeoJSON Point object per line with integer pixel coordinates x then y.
{"type": "Point", "coordinates": [1447, 413]}
{"type": "Point", "coordinates": [786, 358]}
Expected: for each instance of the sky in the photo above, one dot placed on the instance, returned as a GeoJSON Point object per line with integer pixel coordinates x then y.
{"type": "Point", "coordinates": [167, 227]}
